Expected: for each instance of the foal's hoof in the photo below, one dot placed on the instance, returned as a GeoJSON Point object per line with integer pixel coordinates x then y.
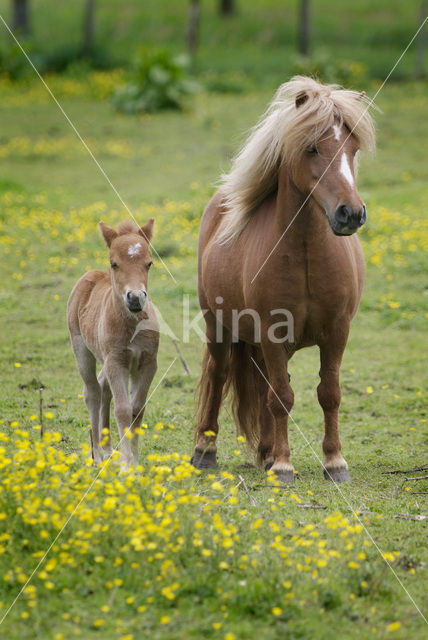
{"type": "Point", "coordinates": [337, 475]}
{"type": "Point", "coordinates": [204, 460]}
{"type": "Point", "coordinates": [285, 477]}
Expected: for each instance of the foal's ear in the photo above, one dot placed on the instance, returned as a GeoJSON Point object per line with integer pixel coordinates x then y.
{"type": "Point", "coordinates": [147, 229]}
{"type": "Point", "coordinates": [107, 233]}
{"type": "Point", "coordinates": [301, 98]}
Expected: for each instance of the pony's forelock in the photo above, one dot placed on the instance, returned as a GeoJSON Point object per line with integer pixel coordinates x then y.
{"type": "Point", "coordinates": [281, 137]}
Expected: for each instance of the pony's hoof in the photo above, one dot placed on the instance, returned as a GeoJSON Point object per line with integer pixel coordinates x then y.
{"type": "Point", "coordinates": [337, 475]}
{"type": "Point", "coordinates": [285, 477]}
{"type": "Point", "coordinates": [268, 464]}
{"type": "Point", "coordinates": [204, 460]}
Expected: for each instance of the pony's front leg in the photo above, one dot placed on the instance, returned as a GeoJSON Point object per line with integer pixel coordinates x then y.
{"type": "Point", "coordinates": [140, 384]}
{"type": "Point", "coordinates": [335, 466]}
{"type": "Point", "coordinates": [280, 403]}
{"type": "Point", "coordinates": [213, 378]}
{"type": "Point", "coordinates": [117, 376]}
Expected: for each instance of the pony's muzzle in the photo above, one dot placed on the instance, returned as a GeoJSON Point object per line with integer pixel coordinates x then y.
{"type": "Point", "coordinates": [347, 220]}
{"type": "Point", "coordinates": [135, 300]}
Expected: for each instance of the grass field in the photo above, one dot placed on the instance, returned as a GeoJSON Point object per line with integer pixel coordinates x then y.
{"type": "Point", "coordinates": [172, 553]}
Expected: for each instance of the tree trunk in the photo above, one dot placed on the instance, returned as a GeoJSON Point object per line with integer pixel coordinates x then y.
{"type": "Point", "coordinates": [193, 26]}
{"type": "Point", "coordinates": [21, 17]}
{"type": "Point", "coordinates": [304, 27]}
{"type": "Point", "coordinates": [227, 7]}
{"type": "Point", "coordinates": [88, 28]}
{"type": "Point", "coordinates": [421, 42]}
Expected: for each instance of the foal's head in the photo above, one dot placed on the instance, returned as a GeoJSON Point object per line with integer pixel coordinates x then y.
{"type": "Point", "coordinates": [130, 260]}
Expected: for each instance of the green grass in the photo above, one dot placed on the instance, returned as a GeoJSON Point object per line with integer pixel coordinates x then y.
{"type": "Point", "coordinates": [165, 165]}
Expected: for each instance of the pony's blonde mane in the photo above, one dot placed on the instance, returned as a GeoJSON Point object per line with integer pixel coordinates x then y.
{"type": "Point", "coordinates": [281, 137]}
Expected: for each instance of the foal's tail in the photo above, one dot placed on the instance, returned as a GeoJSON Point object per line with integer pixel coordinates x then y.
{"type": "Point", "coordinates": [246, 384]}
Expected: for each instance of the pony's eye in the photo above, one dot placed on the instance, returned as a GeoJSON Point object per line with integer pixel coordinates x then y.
{"type": "Point", "coordinates": [149, 264]}
{"type": "Point", "coordinates": [313, 151]}
{"type": "Point", "coordinates": [114, 265]}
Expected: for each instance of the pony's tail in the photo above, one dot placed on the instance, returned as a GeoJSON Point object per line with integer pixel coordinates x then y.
{"type": "Point", "coordinates": [247, 386]}
{"type": "Point", "coordinates": [248, 391]}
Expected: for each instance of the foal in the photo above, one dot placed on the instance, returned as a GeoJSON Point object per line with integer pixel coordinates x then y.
{"type": "Point", "coordinates": [111, 320]}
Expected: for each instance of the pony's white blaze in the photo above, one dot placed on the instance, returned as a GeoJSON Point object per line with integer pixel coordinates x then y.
{"type": "Point", "coordinates": [345, 169]}
{"type": "Point", "coordinates": [337, 132]}
{"type": "Point", "coordinates": [134, 249]}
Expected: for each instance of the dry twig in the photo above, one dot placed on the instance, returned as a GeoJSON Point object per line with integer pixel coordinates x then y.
{"type": "Point", "coordinates": [247, 491]}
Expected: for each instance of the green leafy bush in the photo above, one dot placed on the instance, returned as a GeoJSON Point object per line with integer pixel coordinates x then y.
{"type": "Point", "coordinates": [65, 59]}
{"type": "Point", "coordinates": [157, 81]}
{"type": "Point", "coordinates": [13, 63]}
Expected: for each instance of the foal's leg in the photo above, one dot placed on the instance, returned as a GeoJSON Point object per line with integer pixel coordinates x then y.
{"type": "Point", "coordinates": [335, 466]}
{"type": "Point", "coordinates": [117, 375]}
{"type": "Point", "coordinates": [140, 384]}
{"type": "Point", "coordinates": [86, 365]}
{"type": "Point", "coordinates": [104, 424]}
{"type": "Point", "coordinates": [280, 403]}
{"type": "Point", "coordinates": [213, 377]}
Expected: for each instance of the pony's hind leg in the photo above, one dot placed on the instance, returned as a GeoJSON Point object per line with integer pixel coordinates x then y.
{"type": "Point", "coordinates": [280, 403]}
{"type": "Point", "coordinates": [213, 378]}
{"type": "Point", "coordinates": [86, 365]}
{"type": "Point", "coordinates": [335, 466]}
{"type": "Point", "coordinates": [104, 422]}
{"type": "Point", "coordinates": [266, 442]}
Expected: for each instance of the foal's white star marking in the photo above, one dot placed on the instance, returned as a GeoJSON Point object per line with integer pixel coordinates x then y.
{"type": "Point", "coordinates": [345, 169]}
{"type": "Point", "coordinates": [337, 132]}
{"type": "Point", "coordinates": [134, 249]}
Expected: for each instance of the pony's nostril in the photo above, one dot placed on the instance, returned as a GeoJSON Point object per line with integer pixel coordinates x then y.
{"type": "Point", "coordinates": [342, 214]}
{"type": "Point", "coordinates": [363, 215]}
{"type": "Point", "coordinates": [129, 296]}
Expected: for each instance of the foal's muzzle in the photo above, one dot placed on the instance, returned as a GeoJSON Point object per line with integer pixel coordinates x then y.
{"type": "Point", "coordinates": [347, 220]}
{"type": "Point", "coordinates": [135, 301]}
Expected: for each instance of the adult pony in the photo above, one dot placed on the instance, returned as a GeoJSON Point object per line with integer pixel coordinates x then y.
{"type": "Point", "coordinates": [111, 320]}
{"type": "Point", "coordinates": [278, 237]}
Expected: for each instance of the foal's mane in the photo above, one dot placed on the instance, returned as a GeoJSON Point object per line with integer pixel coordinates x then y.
{"type": "Point", "coordinates": [127, 226]}
{"type": "Point", "coordinates": [281, 136]}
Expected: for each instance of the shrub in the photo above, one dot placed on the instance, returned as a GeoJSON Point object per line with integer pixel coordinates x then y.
{"type": "Point", "coordinates": [157, 81]}
{"type": "Point", "coordinates": [13, 63]}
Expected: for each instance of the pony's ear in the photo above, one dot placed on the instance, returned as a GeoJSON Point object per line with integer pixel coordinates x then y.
{"type": "Point", "coordinates": [147, 229]}
{"type": "Point", "coordinates": [301, 98]}
{"type": "Point", "coordinates": [107, 233]}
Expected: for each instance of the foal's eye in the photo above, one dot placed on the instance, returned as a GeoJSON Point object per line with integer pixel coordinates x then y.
{"type": "Point", "coordinates": [114, 265]}
{"type": "Point", "coordinates": [313, 151]}
{"type": "Point", "coordinates": [149, 264]}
